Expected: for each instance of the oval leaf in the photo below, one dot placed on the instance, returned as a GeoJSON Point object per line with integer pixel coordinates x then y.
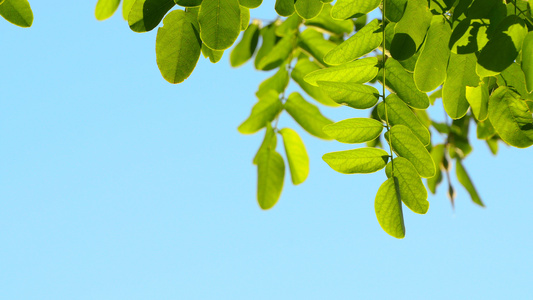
{"type": "Point", "coordinates": [308, 9]}
{"type": "Point", "coordinates": [410, 186]}
{"type": "Point", "coordinates": [296, 155]}
{"type": "Point", "coordinates": [307, 115]}
{"type": "Point", "coordinates": [405, 144]}
{"type": "Point", "coordinates": [354, 95]}
{"type": "Point", "coordinates": [461, 73]}
{"type": "Point", "coordinates": [245, 49]}
{"type": "Point", "coordinates": [346, 9]}
{"type": "Point", "coordinates": [388, 207]}
{"type": "Point", "coordinates": [356, 130]}
{"type": "Point", "coordinates": [17, 12]}
{"type": "Point", "coordinates": [220, 23]}
{"type": "Point", "coordinates": [145, 15]}
{"type": "Point", "coordinates": [105, 9]}
{"type": "Point", "coordinates": [359, 71]}
{"type": "Point", "coordinates": [270, 176]}
{"type": "Point", "coordinates": [357, 161]}
{"type": "Point", "coordinates": [263, 112]}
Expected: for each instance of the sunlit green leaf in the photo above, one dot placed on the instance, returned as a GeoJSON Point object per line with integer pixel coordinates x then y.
{"type": "Point", "coordinates": [313, 42]}
{"type": "Point", "coordinates": [485, 130]}
{"type": "Point", "coordinates": [527, 60]}
{"type": "Point", "coordinates": [411, 189]}
{"type": "Point", "coordinates": [359, 71]}
{"type": "Point", "coordinates": [308, 9]}
{"type": "Point", "coordinates": [401, 82]}
{"type": "Point", "coordinates": [395, 9]}
{"type": "Point", "coordinates": [250, 3]}
{"type": "Point", "coordinates": [437, 153]}
{"type": "Point", "coordinates": [357, 161]}
{"type": "Point", "coordinates": [398, 113]}
{"type": "Point", "coordinates": [461, 73]}
{"type": "Point", "coordinates": [405, 144]}
{"type": "Point", "coordinates": [268, 37]}
{"type": "Point", "coordinates": [296, 155]}
{"type": "Point", "coordinates": [244, 50]}
{"type": "Point", "coordinates": [303, 67]}
{"type": "Point", "coordinates": [325, 22]}
{"type": "Point", "coordinates": [263, 111]}
{"type": "Point", "coordinates": [289, 26]}
{"type": "Point", "coordinates": [356, 130]}
{"type": "Point", "coordinates": [270, 177]}
{"type": "Point", "coordinates": [363, 42]}
{"type": "Point", "coordinates": [511, 117]}
{"type": "Point", "coordinates": [277, 82]}
{"type": "Point", "coordinates": [410, 31]}
{"type": "Point", "coordinates": [220, 23]}
{"type": "Point", "coordinates": [245, 17]}
{"type": "Point", "coordinates": [354, 95]}
{"type": "Point", "coordinates": [469, 36]}
{"type": "Point", "coordinates": [126, 8]}
{"type": "Point", "coordinates": [17, 12]}
{"type": "Point", "coordinates": [478, 98]}
{"type": "Point", "coordinates": [345, 9]}
{"type": "Point", "coordinates": [105, 9]}
{"type": "Point", "coordinates": [513, 77]}
{"type": "Point", "coordinates": [213, 55]}
{"type": "Point", "coordinates": [279, 53]}
{"type": "Point", "coordinates": [307, 115]}
{"type": "Point", "coordinates": [430, 69]}
{"type": "Point", "coordinates": [145, 15]}
{"type": "Point", "coordinates": [284, 8]}
{"type": "Point", "coordinates": [465, 180]}
{"type": "Point", "coordinates": [269, 142]}
{"type": "Point", "coordinates": [178, 46]}
{"type": "Point", "coordinates": [388, 208]}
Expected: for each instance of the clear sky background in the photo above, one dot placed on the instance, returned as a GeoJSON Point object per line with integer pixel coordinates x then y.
{"type": "Point", "coordinates": [115, 184]}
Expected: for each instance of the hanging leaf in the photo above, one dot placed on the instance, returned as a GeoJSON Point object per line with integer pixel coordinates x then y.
{"type": "Point", "coordinates": [511, 117]}
{"type": "Point", "coordinates": [17, 12]}
{"type": "Point", "coordinates": [430, 69]}
{"type": "Point", "coordinates": [308, 9]}
{"type": "Point", "coordinates": [478, 98]}
{"type": "Point", "coordinates": [398, 113]}
{"type": "Point", "coordinates": [401, 82]}
{"type": "Point", "coordinates": [296, 155]}
{"type": "Point", "coordinates": [437, 154]}
{"type": "Point", "coordinates": [461, 73]}
{"type": "Point", "coordinates": [527, 60]}
{"type": "Point", "coordinates": [245, 49]}
{"type": "Point", "coordinates": [465, 180]}
{"type": "Point", "coordinates": [213, 55]}
{"type": "Point", "coordinates": [405, 144]}
{"type": "Point", "coordinates": [357, 161]}
{"type": "Point", "coordinates": [105, 9]}
{"type": "Point", "coordinates": [277, 82]}
{"type": "Point", "coordinates": [245, 17]}
{"type": "Point", "coordinates": [263, 111]}
{"type": "Point", "coordinates": [303, 67]}
{"type": "Point", "coordinates": [347, 9]}
{"type": "Point", "coordinates": [359, 71]}
{"type": "Point", "coordinates": [388, 208]}
{"type": "Point", "coordinates": [289, 26]}
{"type": "Point", "coordinates": [356, 130]}
{"type": "Point", "coordinates": [270, 177]}
{"type": "Point", "coordinates": [269, 142]}
{"type": "Point", "coordinates": [361, 43]}
{"type": "Point", "coordinates": [307, 115]}
{"type": "Point", "coordinates": [145, 15]}
{"type": "Point", "coordinates": [410, 187]}
{"type": "Point", "coordinates": [220, 23]}
{"type": "Point", "coordinates": [410, 31]}
{"type": "Point", "coordinates": [354, 95]}
{"type": "Point", "coordinates": [178, 46]}
{"type": "Point", "coordinates": [279, 53]}
{"type": "Point", "coordinates": [313, 42]}
{"type": "Point", "coordinates": [268, 36]}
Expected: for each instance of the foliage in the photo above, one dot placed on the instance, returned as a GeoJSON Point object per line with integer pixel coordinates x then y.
{"type": "Point", "coordinates": [477, 55]}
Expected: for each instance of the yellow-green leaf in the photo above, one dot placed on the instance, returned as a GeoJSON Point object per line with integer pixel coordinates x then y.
{"type": "Point", "coordinates": [359, 71]}
{"type": "Point", "coordinates": [145, 15]}
{"type": "Point", "coordinates": [357, 161]}
{"type": "Point", "coordinates": [270, 177]}
{"type": "Point", "coordinates": [411, 189]}
{"type": "Point", "coordinates": [356, 130]}
{"type": "Point", "coordinates": [105, 9]}
{"type": "Point", "coordinates": [307, 115]}
{"type": "Point", "coordinates": [296, 155]}
{"type": "Point", "coordinates": [220, 23]}
{"type": "Point", "coordinates": [388, 207]}
{"type": "Point", "coordinates": [346, 9]}
{"type": "Point", "coordinates": [467, 183]}
{"type": "Point", "coordinates": [263, 111]}
{"type": "Point", "coordinates": [17, 12]}
{"type": "Point", "coordinates": [354, 95]}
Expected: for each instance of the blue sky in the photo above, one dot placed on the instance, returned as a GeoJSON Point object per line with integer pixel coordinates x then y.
{"type": "Point", "coordinates": [115, 184]}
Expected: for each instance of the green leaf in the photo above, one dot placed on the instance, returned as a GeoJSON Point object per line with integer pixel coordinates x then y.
{"type": "Point", "coordinates": [279, 53]}
{"type": "Point", "coordinates": [465, 180]}
{"type": "Point", "coordinates": [296, 155]}
{"type": "Point", "coordinates": [410, 31]}
{"type": "Point", "coordinates": [313, 42]}
{"type": "Point", "coordinates": [213, 55]}
{"type": "Point", "coordinates": [482, 8]}
{"type": "Point", "coordinates": [284, 8]}
{"type": "Point", "coordinates": [145, 15]}
{"type": "Point", "coordinates": [346, 9]}
{"type": "Point", "coordinates": [105, 9]}
{"type": "Point", "coordinates": [270, 177]}
{"type": "Point", "coordinates": [357, 161]}
{"type": "Point", "coordinates": [363, 42]}
{"type": "Point", "coordinates": [411, 189]}
{"type": "Point", "coordinates": [395, 9]}
{"type": "Point", "coordinates": [511, 117]}
{"type": "Point", "coordinates": [303, 67]}
{"type": "Point", "coordinates": [468, 36]}
{"type": "Point", "coordinates": [401, 82]}
{"type": "Point", "coordinates": [277, 82]}
{"type": "Point", "coordinates": [354, 95]}
{"type": "Point", "coordinates": [325, 22]}
{"type": "Point", "coordinates": [485, 130]}
{"type": "Point", "coordinates": [405, 144]}
{"type": "Point", "coordinates": [430, 69]}
{"type": "Point", "coordinates": [17, 12]}
{"type": "Point", "coordinates": [220, 23]}
{"type": "Point", "coordinates": [503, 47]}
{"type": "Point", "coordinates": [513, 77]}
{"type": "Point", "coordinates": [461, 73]}
{"type": "Point", "coordinates": [437, 153]}
{"type": "Point", "coordinates": [269, 142]}
{"type": "Point", "coordinates": [250, 3]}
{"type": "Point", "coordinates": [359, 71]}
{"type": "Point", "coordinates": [308, 9]}
{"type": "Point", "coordinates": [188, 3]}
{"type": "Point", "coordinates": [244, 50]}
{"type": "Point", "coordinates": [263, 112]}
{"type": "Point", "coordinates": [388, 208]}
{"type": "Point", "coordinates": [307, 115]}
{"type": "Point", "coordinates": [478, 98]}
{"type": "Point", "coordinates": [527, 60]}
{"type": "Point", "coordinates": [245, 17]}
{"type": "Point", "coordinates": [126, 8]}
{"type": "Point", "coordinates": [268, 35]}
{"type": "Point", "coordinates": [178, 46]}
{"type": "Point", "coordinates": [398, 113]}
{"type": "Point", "coordinates": [356, 130]}
{"type": "Point", "coordinates": [289, 26]}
